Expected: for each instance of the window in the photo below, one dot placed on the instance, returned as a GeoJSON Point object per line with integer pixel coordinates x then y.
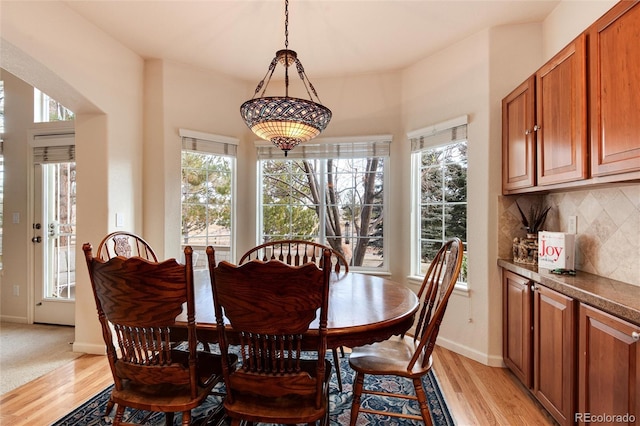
{"type": "Point", "coordinates": [208, 181]}
{"type": "Point", "coordinates": [1, 168]}
{"type": "Point", "coordinates": [330, 191]}
{"type": "Point", "coordinates": [1, 106]}
{"type": "Point", "coordinates": [1, 197]}
{"type": "Point", "coordinates": [46, 109]}
{"type": "Point", "coordinates": [439, 173]}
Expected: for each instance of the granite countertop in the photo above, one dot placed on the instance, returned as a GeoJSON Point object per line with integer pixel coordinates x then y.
{"type": "Point", "coordinates": [615, 297]}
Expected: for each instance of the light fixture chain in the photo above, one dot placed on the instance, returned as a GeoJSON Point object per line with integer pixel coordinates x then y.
{"type": "Point", "coordinates": [269, 73]}
{"type": "Point", "coordinates": [286, 24]}
{"type": "Point", "coordinates": [286, 48]}
{"type": "Point", "coordinates": [305, 80]}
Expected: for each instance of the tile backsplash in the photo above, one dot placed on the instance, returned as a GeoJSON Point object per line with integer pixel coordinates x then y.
{"type": "Point", "coordinates": [608, 237]}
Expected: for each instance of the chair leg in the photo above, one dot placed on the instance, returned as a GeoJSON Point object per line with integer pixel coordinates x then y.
{"type": "Point", "coordinates": [168, 418]}
{"type": "Point", "coordinates": [186, 418]}
{"type": "Point", "coordinates": [336, 364]}
{"type": "Point", "coordinates": [119, 414]}
{"type": "Point", "coordinates": [357, 393]}
{"type": "Point", "coordinates": [422, 400]}
{"type": "Point", "coordinates": [325, 420]}
{"type": "Point", "coordinates": [110, 405]}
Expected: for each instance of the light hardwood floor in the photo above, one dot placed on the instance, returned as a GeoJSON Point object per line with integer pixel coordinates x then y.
{"type": "Point", "coordinates": [481, 395]}
{"type": "Point", "coordinates": [476, 394]}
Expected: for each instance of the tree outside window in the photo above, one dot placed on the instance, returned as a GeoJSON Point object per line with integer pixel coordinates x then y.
{"type": "Point", "coordinates": [206, 203]}
{"type": "Point", "coordinates": [338, 202]}
{"type": "Point", "coordinates": [443, 199]}
{"type": "Point", "coordinates": [47, 109]}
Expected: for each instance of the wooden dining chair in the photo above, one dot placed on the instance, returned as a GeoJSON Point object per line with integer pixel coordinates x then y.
{"type": "Point", "coordinates": [137, 303]}
{"type": "Point", "coordinates": [125, 244]}
{"type": "Point", "coordinates": [407, 356]}
{"type": "Point", "coordinates": [299, 252]}
{"type": "Point", "coordinates": [269, 306]}
{"type": "Point", "coordinates": [296, 252]}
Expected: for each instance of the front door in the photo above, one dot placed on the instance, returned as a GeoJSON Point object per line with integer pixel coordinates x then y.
{"type": "Point", "coordinates": [54, 241]}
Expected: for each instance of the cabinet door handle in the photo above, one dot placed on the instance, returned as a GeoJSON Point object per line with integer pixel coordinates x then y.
{"type": "Point", "coordinates": [536, 128]}
{"type": "Point", "coordinates": [635, 336]}
{"type": "Point", "coordinates": [527, 132]}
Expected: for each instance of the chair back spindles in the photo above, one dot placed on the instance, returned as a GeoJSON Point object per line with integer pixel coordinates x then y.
{"type": "Point", "coordinates": [299, 252]}
{"type": "Point", "coordinates": [296, 253]}
{"type": "Point", "coordinates": [125, 244]}
{"type": "Point", "coordinates": [270, 306]}
{"type": "Point", "coordinates": [437, 286]}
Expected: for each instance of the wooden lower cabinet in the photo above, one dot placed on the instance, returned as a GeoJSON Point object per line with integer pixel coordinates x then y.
{"type": "Point", "coordinates": [581, 363]}
{"type": "Point", "coordinates": [554, 352]}
{"type": "Point", "coordinates": [609, 369]}
{"type": "Point", "coordinates": [516, 322]}
{"type": "Point", "coordinates": [539, 343]}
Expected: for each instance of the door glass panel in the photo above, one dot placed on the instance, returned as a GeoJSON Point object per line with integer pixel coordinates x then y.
{"type": "Point", "coordinates": [60, 230]}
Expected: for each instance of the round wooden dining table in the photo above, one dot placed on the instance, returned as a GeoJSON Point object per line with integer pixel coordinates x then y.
{"type": "Point", "coordinates": [362, 309]}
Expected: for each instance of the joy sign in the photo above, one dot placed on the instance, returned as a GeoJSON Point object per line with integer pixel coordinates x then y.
{"type": "Point", "coordinates": [556, 250]}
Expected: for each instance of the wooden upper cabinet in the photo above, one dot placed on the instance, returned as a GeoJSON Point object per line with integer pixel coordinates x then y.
{"type": "Point", "coordinates": [518, 138]}
{"type": "Point", "coordinates": [561, 116]}
{"type": "Point", "coordinates": [614, 91]}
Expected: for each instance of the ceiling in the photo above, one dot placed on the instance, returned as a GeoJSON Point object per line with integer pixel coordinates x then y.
{"type": "Point", "coordinates": [331, 37]}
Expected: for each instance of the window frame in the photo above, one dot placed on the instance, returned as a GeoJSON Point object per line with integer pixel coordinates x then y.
{"type": "Point", "coordinates": [323, 149]}
{"type": "Point", "coordinates": [41, 108]}
{"type": "Point", "coordinates": [427, 138]}
{"type": "Point", "coordinates": [217, 145]}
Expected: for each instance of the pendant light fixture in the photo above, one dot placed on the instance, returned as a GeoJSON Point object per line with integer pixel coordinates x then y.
{"type": "Point", "coordinates": [284, 120]}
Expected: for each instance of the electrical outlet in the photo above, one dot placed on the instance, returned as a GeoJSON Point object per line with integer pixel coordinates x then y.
{"type": "Point", "coordinates": [119, 220]}
{"type": "Point", "coordinates": [16, 290]}
{"type": "Point", "coordinates": [573, 225]}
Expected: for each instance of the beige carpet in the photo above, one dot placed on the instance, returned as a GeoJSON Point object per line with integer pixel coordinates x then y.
{"type": "Point", "coordinates": [28, 351]}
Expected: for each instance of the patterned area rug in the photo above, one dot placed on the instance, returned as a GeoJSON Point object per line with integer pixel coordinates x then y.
{"type": "Point", "coordinates": [92, 411]}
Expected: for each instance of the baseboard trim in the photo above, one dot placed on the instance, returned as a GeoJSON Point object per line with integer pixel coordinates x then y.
{"type": "Point", "coordinates": [9, 318]}
{"type": "Point", "coordinates": [89, 348]}
{"type": "Point", "coordinates": [483, 358]}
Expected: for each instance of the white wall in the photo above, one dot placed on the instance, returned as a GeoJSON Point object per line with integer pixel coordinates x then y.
{"type": "Point", "coordinates": [16, 244]}
{"type": "Point", "coordinates": [101, 82]}
{"type": "Point", "coordinates": [179, 96]}
{"type": "Point", "coordinates": [568, 20]}
{"type": "Point", "coordinates": [470, 78]}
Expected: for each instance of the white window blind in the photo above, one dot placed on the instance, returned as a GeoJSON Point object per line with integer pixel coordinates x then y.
{"type": "Point", "coordinates": [358, 147]}
{"type": "Point", "coordinates": [209, 143]}
{"type": "Point", "coordinates": [53, 148]}
{"type": "Point", "coordinates": [54, 154]}
{"type": "Point", "coordinates": [444, 133]}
